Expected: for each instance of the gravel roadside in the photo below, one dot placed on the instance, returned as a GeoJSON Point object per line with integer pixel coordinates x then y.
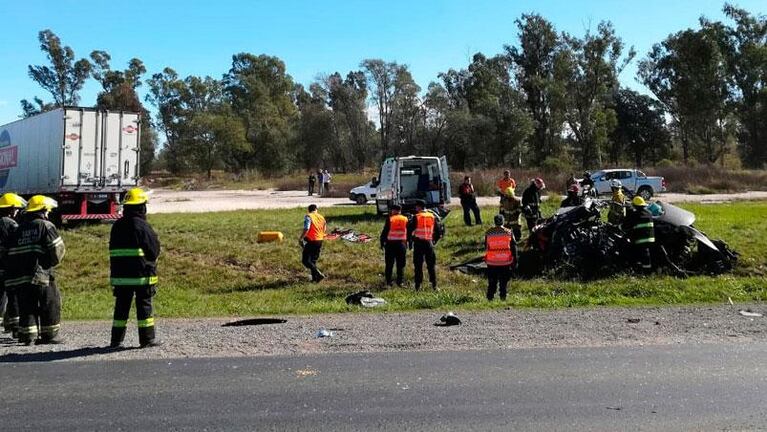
{"type": "Point", "coordinates": [383, 332]}
{"type": "Point", "coordinates": [172, 201]}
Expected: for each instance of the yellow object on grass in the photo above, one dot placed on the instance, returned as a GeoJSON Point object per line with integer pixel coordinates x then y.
{"type": "Point", "coordinates": [269, 236]}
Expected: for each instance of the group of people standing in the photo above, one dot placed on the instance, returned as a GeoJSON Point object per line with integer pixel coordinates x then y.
{"type": "Point", "coordinates": [322, 179]}
{"type": "Point", "coordinates": [511, 207]}
{"type": "Point", "coordinates": [400, 234]}
{"type": "Point", "coordinates": [31, 249]}
{"type": "Point", "coordinates": [501, 239]}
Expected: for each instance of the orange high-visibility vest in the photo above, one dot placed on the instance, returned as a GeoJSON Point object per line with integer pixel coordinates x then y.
{"type": "Point", "coordinates": [397, 228]}
{"type": "Point", "coordinates": [498, 249]}
{"type": "Point", "coordinates": [317, 228]}
{"type": "Point", "coordinates": [424, 226]}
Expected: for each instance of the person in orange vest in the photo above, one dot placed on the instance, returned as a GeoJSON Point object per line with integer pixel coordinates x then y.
{"type": "Point", "coordinates": [311, 241]}
{"type": "Point", "coordinates": [500, 257]}
{"type": "Point", "coordinates": [424, 231]}
{"type": "Point", "coordinates": [504, 183]}
{"type": "Point", "coordinates": [394, 244]}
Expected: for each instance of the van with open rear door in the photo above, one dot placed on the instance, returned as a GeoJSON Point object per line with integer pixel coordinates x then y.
{"type": "Point", "coordinates": [405, 180]}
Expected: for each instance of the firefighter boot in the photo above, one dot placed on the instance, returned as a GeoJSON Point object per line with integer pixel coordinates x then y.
{"type": "Point", "coordinates": [146, 337]}
{"type": "Point", "coordinates": [118, 335]}
{"type": "Point", "coordinates": [49, 335]}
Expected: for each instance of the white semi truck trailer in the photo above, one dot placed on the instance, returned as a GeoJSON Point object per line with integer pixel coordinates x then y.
{"type": "Point", "coordinates": [84, 158]}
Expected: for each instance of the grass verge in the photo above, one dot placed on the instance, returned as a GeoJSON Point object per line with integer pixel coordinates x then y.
{"type": "Point", "coordinates": [211, 265]}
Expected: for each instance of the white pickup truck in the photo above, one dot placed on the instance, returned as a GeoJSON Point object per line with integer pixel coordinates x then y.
{"type": "Point", "coordinates": [634, 181]}
{"type": "Point", "coordinates": [363, 194]}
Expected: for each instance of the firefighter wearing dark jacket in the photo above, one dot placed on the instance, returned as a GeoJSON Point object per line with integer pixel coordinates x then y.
{"type": "Point", "coordinates": [641, 231]}
{"type": "Point", "coordinates": [133, 252]}
{"type": "Point", "coordinates": [424, 231]}
{"type": "Point", "coordinates": [33, 252]}
{"type": "Point", "coordinates": [10, 204]}
{"type": "Point", "coordinates": [531, 202]}
{"type": "Point", "coordinates": [572, 199]}
{"type": "Point", "coordinates": [500, 257]}
{"type": "Point", "coordinates": [394, 244]}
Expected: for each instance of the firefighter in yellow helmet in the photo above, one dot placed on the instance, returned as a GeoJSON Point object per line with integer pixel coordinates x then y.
{"type": "Point", "coordinates": [133, 252]}
{"type": "Point", "coordinates": [10, 205]}
{"type": "Point", "coordinates": [34, 250]}
{"type": "Point", "coordinates": [641, 231]}
{"type": "Point", "coordinates": [511, 209]}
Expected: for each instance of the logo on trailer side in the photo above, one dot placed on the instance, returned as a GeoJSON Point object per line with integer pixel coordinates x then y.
{"type": "Point", "coordinates": [9, 157]}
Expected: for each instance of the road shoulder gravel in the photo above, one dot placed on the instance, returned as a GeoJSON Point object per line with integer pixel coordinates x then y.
{"type": "Point", "coordinates": [415, 331]}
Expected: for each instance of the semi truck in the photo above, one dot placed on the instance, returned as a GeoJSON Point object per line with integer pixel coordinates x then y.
{"type": "Point", "coordinates": [84, 158]}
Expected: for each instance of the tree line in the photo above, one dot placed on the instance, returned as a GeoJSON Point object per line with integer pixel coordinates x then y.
{"type": "Point", "coordinates": [550, 100]}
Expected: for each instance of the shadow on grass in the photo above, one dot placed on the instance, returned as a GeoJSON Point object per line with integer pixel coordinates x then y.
{"type": "Point", "coordinates": [58, 355]}
{"type": "Point", "coordinates": [255, 322]}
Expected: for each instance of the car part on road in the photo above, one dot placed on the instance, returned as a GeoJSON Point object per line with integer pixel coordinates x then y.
{"type": "Point", "coordinates": [365, 299]}
{"type": "Point", "coordinates": [748, 313]}
{"type": "Point", "coordinates": [447, 320]}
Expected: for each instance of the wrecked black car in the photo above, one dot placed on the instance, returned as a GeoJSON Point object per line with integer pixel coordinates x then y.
{"type": "Point", "coordinates": [576, 244]}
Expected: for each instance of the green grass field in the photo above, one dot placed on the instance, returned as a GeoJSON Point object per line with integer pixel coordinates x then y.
{"type": "Point", "coordinates": [211, 265]}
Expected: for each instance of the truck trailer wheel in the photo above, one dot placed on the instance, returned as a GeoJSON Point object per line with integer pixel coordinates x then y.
{"type": "Point", "coordinates": [645, 192]}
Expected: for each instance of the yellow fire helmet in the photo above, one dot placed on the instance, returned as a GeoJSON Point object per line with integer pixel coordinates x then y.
{"type": "Point", "coordinates": [135, 196]}
{"type": "Point", "coordinates": [41, 202]}
{"type": "Point", "coordinates": [639, 201]}
{"type": "Point", "coordinates": [10, 199]}
{"type": "Point", "coordinates": [509, 191]}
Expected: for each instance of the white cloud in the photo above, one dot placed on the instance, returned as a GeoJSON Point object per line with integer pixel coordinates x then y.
{"type": "Point", "coordinates": [3, 103]}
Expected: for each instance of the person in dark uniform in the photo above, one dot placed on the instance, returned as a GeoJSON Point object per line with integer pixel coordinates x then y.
{"type": "Point", "coordinates": [469, 202]}
{"type": "Point", "coordinates": [641, 231]}
{"type": "Point", "coordinates": [34, 250]}
{"type": "Point", "coordinates": [500, 257]}
{"type": "Point", "coordinates": [10, 204]}
{"type": "Point", "coordinates": [133, 252]}
{"type": "Point", "coordinates": [312, 181]}
{"type": "Point", "coordinates": [531, 202]}
{"type": "Point", "coordinates": [572, 199]}
{"type": "Point", "coordinates": [394, 244]}
{"type": "Point", "coordinates": [424, 231]}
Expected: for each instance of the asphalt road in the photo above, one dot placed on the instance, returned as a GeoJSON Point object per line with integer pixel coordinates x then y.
{"type": "Point", "coordinates": [684, 387]}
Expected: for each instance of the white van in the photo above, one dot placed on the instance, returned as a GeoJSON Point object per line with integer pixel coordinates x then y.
{"type": "Point", "coordinates": [404, 180]}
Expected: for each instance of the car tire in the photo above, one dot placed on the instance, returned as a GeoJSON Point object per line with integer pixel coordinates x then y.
{"type": "Point", "coordinates": [361, 199]}
{"type": "Point", "coordinates": [645, 192]}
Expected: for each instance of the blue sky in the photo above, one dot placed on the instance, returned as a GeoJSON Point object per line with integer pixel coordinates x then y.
{"type": "Point", "coordinates": [312, 37]}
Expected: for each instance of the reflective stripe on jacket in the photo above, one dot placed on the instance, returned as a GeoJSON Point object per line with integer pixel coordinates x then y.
{"type": "Point", "coordinates": [617, 208]}
{"type": "Point", "coordinates": [498, 247]}
{"type": "Point", "coordinates": [133, 252]}
{"type": "Point", "coordinates": [640, 227]}
{"type": "Point", "coordinates": [397, 228]}
{"type": "Point", "coordinates": [34, 249]}
{"type": "Point", "coordinates": [317, 228]}
{"type": "Point", "coordinates": [424, 226]}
